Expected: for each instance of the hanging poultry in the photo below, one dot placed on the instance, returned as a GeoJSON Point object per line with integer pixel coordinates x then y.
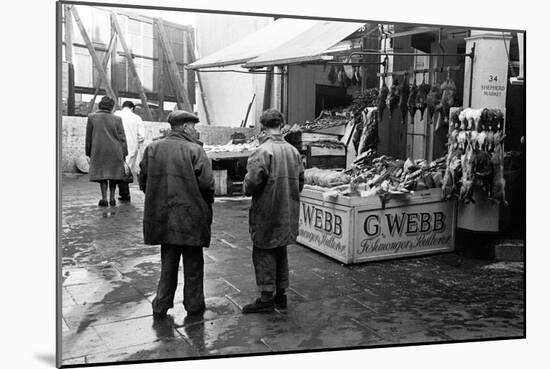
{"type": "Point", "coordinates": [497, 159]}
{"type": "Point", "coordinates": [393, 100]}
{"type": "Point", "coordinates": [404, 92]}
{"type": "Point", "coordinates": [369, 137]}
{"type": "Point", "coordinates": [432, 100]}
{"type": "Point", "coordinates": [359, 72]}
{"type": "Point", "coordinates": [483, 171]}
{"type": "Point", "coordinates": [467, 181]}
{"type": "Point", "coordinates": [423, 91]}
{"type": "Point", "coordinates": [411, 101]}
{"type": "Point", "coordinates": [448, 96]}
{"type": "Point", "coordinates": [453, 171]}
{"type": "Point", "coordinates": [381, 99]}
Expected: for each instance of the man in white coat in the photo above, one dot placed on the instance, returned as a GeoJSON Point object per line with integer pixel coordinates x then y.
{"type": "Point", "coordinates": [133, 128]}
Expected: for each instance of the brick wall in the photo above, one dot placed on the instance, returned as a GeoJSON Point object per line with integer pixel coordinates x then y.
{"type": "Point", "coordinates": [73, 133]}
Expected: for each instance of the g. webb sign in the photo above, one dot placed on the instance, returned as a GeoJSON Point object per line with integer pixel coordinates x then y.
{"type": "Point", "coordinates": [405, 231]}
{"type": "Point", "coordinates": [362, 234]}
{"type": "Point", "coordinates": [325, 229]}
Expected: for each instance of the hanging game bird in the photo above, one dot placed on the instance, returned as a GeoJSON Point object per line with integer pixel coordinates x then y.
{"type": "Point", "coordinates": [404, 91]}
{"type": "Point", "coordinates": [381, 99]}
{"type": "Point", "coordinates": [411, 101]}
{"type": "Point", "coordinates": [423, 91]}
{"type": "Point", "coordinates": [393, 100]}
{"type": "Point", "coordinates": [432, 100]}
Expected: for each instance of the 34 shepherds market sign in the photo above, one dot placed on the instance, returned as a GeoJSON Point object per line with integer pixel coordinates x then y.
{"type": "Point", "coordinates": [411, 229]}
{"type": "Point", "coordinates": [323, 228]}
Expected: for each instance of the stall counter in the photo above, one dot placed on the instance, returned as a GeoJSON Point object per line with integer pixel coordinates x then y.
{"type": "Point", "coordinates": [360, 229]}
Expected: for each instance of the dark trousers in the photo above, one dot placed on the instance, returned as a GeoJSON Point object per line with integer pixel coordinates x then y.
{"type": "Point", "coordinates": [123, 189]}
{"type": "Point", "coordinates": [271, 268]}
{"type": "Point", "coordinates": [193, 273]}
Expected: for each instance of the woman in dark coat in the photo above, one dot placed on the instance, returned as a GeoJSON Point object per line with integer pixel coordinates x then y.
{"type": "Point", "coordinates": [106, 148]}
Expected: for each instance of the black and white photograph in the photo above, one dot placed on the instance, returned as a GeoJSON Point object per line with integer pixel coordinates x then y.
{"type": "Point", "coordinates": [244, 183]}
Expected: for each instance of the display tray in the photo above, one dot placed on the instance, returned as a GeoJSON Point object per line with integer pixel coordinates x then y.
{"type": "Point", "coordinates": [360, 229]}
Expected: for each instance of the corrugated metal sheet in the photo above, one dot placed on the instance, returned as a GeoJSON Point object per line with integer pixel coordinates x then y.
{"type": "Point", "coordinates": [308, 45]}
{"type": "Point", "coordinates": [274, 35]}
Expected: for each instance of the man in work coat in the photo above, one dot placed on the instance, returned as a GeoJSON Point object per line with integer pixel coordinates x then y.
{"type": "Point", "coordinates": [274, 179]}
{"type": "Point", "coordinates": [134, 130]}
{"type": "Point", "coordinates": [178, 182]}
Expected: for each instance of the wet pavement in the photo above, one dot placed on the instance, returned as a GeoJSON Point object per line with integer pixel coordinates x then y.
{"type": "Point", "coordinates": [109, 279]}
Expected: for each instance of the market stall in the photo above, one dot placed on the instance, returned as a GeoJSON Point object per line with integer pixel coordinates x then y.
{"type": "Point", "coordinates": [377, 112]}
{"type": "Point", "coordinates": [229, 164]}
{"type": "Point", "coordinates": [380, 208]}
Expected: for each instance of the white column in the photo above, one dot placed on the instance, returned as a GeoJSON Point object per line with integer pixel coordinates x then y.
{"type": "Point", "coordinates": [490, 70]}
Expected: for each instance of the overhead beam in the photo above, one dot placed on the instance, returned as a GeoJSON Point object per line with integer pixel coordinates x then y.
{"type": "Point", "coordinates": [175, 76]}
{"type": "Point", "coordinates": [132, 66]}
{"type": "Point", "coordinates": [411, 32]}
{"type": "Point", "coordinates": [97, 64]}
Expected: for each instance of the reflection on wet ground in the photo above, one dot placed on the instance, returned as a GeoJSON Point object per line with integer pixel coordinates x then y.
{"type": "Point", "coordinates": [109, 279]}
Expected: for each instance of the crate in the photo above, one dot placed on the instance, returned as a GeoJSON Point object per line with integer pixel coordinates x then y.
{"type": "Point", "coordinates": [361, 229]}
{"type": "Point", "coordinates": [326, 157]}
{"type": "Point", "coordinates": [220, 182]}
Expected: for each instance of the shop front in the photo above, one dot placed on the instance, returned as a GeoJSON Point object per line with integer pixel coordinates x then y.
{"type": "Point", "coordinates": [402, 131]}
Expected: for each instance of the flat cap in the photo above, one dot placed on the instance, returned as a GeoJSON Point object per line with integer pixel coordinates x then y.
{"type": "Point", "coordinates": [181, 116]}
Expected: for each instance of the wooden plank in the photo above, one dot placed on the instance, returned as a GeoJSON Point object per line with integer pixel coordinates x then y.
{"type": "Point", "coordinates": [160, 87]}
{"type": "Point", "coordinates": [172, 68]}
{"type": "Point", "coordinates": [95, 58]}
{"type": "Point", "coordinates": [185, 60]}
{"type": "Point", "coordinates": [199, 80]}
{"type": "Point", "coordinates": [228, 154]}
{"type": "Point", "coordinates": [114, 55]}
{"type": "Point", "coordinates": [248, 110]}
{"type": "Point", "coordinates": [104, 65]}
{"type": "Point", "coordinates": [327, 151]}
{"type": "Point", "coordinates": [68, 34]}
{"type": "Point", "coordinates": [220, 181]}
{"type": "Point", "coordinates": [132, 66]}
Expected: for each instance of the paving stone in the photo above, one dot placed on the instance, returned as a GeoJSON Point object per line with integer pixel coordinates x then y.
{"type": "Point", "coordinates": [137, 331]}
{"type": "Point", "coordinates": [100, 313]}
{"type": "Point", "coordinates": [75, 361]}
{"type": "Point", "coordinates": [166, 349]}
{"type": "Point", "coordinates": [343, 333]}
{"type": "Point", "coordinates": [104, 292]}
{"type": "Point", "coordinates": [89, 274]}
{"type": "Point", "coordinates": [236, 334]}
{"type": "Point", "coordinates": [76, 344]}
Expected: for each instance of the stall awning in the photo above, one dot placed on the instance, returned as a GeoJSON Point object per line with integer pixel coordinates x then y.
{"type": "Point", "coordinates": [307, 46]}
{"type": "Point", "coordinates": [285, 41]}
{"type": "Point", "coordinates": [255, 44]}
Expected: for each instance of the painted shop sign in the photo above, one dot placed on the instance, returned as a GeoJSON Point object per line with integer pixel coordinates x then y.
{"type": "Point", "coordinates": [359, 230]}
{"type": "Point", "coordinates": [324, 229]}
{"type": "Point", "coordinates": [406, 230]}
{"type": "Point", "coordinates": [493, 86]}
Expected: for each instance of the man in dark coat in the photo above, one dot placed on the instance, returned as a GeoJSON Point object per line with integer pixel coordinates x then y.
{"type": "Point", "coordinates": [106, 147]}
{"type": "Point", "coordinates": [274, 179]}
{"type": "Point", "coordinates": [178, 182]}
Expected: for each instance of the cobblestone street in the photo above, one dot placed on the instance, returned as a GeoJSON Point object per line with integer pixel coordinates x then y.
{"type": "Point", "coordinates": [109, 279]}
